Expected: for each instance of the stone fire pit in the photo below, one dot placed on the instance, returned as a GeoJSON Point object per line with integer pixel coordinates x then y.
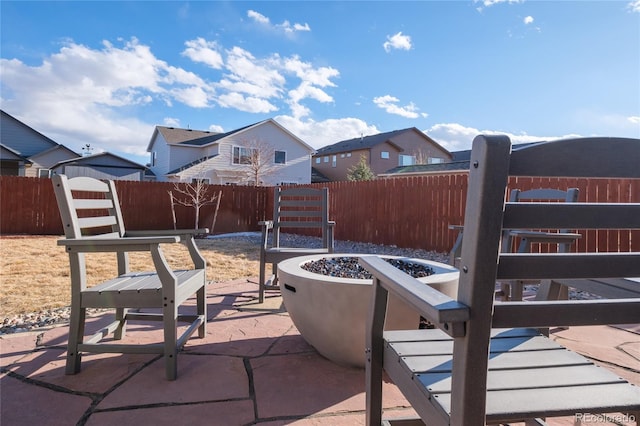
{"type": "Point", "coordinates": [331, 311]}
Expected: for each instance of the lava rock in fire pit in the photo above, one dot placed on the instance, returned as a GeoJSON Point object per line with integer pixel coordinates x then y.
{"type": "Point", "coordinates": [348, 267]}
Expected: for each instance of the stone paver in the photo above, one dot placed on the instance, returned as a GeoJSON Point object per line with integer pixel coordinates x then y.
{"type": "Point", "coordinates": [252, 367]}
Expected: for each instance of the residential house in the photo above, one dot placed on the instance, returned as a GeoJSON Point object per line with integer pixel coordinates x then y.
{"type": "Point", "coordinates": [101, 166]}
{"type": "Point", "coordinates": [460, 162]}
{"type": "Point", "coordinates": [382, 152]}
{"type": "Point", "coordinates": [263, 151]}
{"type": "Point", "coordinates": [27, 152]}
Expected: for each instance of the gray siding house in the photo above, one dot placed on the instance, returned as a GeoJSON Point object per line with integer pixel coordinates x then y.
{"type": "Point", "coordinates": [27, 152]}
{"type": "Point", "coordinates": [183, 155]}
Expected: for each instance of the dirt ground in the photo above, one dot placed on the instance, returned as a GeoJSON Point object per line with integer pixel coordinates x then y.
{"type": "Point", "coordinates": [34, 270]}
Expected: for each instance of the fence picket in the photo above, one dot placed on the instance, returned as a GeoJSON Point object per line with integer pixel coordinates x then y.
{"type": "Point", "coordinates": [408, 212]}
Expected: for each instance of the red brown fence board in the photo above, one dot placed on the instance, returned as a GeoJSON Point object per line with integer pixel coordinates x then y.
{"type": "Point", "coordinates": [408, 212]}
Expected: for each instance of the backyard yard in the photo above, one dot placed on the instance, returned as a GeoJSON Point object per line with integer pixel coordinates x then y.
{"type": "Point", "coordinates": [34, 270]}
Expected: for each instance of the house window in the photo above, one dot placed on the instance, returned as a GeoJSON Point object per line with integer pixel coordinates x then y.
{"type": "Point", "coordinates": [154, 158]}
{"type": "Point", "coordinates": [280, 157]}
{"type": "Point", "coordinates": [318, 160]}
{"type": "Point", "coordinates": [44, 173]}
{"type": "Point", "coordinates": [406, 160]}
{"type": "Point", "coordinates": [201, 180]}
{"type": "Point", "coordinates": [435, 160]}
{"type": "Point", "coordinates": [384, 154]}
{"type": "Point", "coordinates": [334, 161]}
{"type": "Point", "coordinates": [241, 155]}
{"type": "Point", "coordinates": [325, 159]}
{"type": "Point", "coordinates": [348, 154]}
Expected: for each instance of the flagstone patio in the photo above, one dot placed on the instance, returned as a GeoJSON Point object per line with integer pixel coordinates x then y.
{"type": "Point", "coordinates": [253, 367]}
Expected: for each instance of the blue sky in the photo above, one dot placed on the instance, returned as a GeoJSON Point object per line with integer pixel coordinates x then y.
{"type": "Point", "coordinates": [106, 73]}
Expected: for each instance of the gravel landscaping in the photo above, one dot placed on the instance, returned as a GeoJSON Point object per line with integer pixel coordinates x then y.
{"type": "Point", "coordinates": [47, 318]}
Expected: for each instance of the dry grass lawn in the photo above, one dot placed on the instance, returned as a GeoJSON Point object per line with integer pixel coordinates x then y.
{"type": "Point", "coordinates": [34, 270]}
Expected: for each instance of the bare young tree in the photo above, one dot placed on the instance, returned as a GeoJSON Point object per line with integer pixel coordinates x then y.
{"type": "Point", "coordinates": [259, 157]}
{"type": "Point", "coordinates": [421, 156]}
{"type": "Point", "coordinates": [194, 195]}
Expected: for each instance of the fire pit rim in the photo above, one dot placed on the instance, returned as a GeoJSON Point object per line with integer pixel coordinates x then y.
{"type": "Point", "coordinates": [297, 262]}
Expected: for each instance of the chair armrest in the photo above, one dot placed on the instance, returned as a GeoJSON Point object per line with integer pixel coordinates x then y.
{"type": "Point", "coordinates": [449, 314]}
{"type": "Point", "coordinates": [86, 245]}
{"type": "Point", "coordinates": [266, 224]}
{"type": "Point", "coordinates": [547, 237]}
{"type": "Point", "coordinates": [165, 232]}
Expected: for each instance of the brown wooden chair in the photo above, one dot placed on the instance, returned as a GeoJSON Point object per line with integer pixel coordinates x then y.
{"type": "Point", "coordinates": [92, 222]}
{"type": "Point", "coordinates": [293, 209]}
{"type": "Point", "coordinates": [475, 367]}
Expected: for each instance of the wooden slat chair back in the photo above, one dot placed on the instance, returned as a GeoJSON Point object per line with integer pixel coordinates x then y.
{"type": "Point", "coordinates": [92, 222]}
{"type": "Point", "coordinates": [476, 368]}
{"type": "Point", "coordinates": [294, 209]}
{"type": "Point", "coordinates": [522, 241]}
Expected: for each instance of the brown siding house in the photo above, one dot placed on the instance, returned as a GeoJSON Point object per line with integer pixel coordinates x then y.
{"type": "Point", "coordinates": [383, 152]}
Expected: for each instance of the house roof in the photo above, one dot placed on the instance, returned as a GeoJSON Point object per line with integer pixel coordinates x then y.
{"type": "Point", "coordinates": [317, 177]}
{"type": "Point", "coordinates": [10, 154]}
{"type": "Point", "coordinates": [103, 159]}
{"type": "Point", "coordinates": [427, 168]}
{"type": "Point", "coordinates": [460, 161]}
{"type": "Point", "coordinates": [367, 142]}
{"type": "Point", "coordinates": [191, 164]}
{"type": "Point", "coordinates": [41, 138]}
{"type": "Point", "coordinates": [189, 137]}
{"type": "Point", "coordinates": [55, 148]}
{"type": "Point", "coordinates": [466, 154]}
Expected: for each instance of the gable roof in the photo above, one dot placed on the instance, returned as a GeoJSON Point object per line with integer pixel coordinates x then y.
{"type": "Point", "coordinates": [103, 159]}
{"type": "Point", "coordinates": [199, 138]}
{"type": "Point", "coordinates": [42, 141]}
{"type": "Point", "coordinates": [461, 160]}
{"type": "Point", "coordinates": [367, 142]}
{"type": "Point", "coordinates": [10, 154]}
{"type": "Point", "coordinates": [58, 147]}
{"type": "Point", "coordinates": [428, 168]}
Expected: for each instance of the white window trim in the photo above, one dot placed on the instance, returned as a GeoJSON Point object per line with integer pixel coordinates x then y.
{"type": "Point", "coordinates": [233, 155]}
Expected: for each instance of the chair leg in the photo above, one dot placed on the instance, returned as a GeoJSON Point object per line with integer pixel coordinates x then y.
{"type": "Point", "coordinates": [274, 271]}
{"type": "Point", "coordinates": [505, 288]}
{"type": "Point", "coordinates": [169, 320]}
{"type": "Point", "coordinates": [261, 281]}
{"type": "Point", "coordinates": [76, 335]}
{"type": "Point", "coordinates": [201, 300]}
{"type": "Point", "coordinates": [121, 315]}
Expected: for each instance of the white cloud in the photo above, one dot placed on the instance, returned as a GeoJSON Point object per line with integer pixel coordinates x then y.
{"type": "Point", "coordinates": [634, 119]}
{"type": "Point", "coordinates": [634, 6]}
{"type": "Point", "coordinates": [201, 50]}
{"type": "Point", "coordinates": [528, 20]}
{"type": "Point", "coordinates": [76, 94]}
{"type": "Point", "coordinates": [247, 104]}
{"type": "Point", "coordinates": [216, 128]}
{"type": "Point", "coordinates": [389, 104]}
{"type": "Point", "coordinates": [397, 41]}
{"type": "Point", "coordinates": [326, 132]}
{"type": "Point", "coordinates": [457, 137]}
{"type": "Point", "coordinates": [258, 17]}
{"type": "Point", "coordinates": [285, 26]}
{"type": "Point", "coordinates": [171, 122]}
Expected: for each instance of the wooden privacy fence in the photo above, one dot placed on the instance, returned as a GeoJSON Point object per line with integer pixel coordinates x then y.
{"type": "Point", "coordinates": [410, 212]}
{"type": "Point", "coordinates": [28, 206]}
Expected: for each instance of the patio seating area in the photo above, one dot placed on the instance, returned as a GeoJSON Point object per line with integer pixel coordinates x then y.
{"type": "Point", "coordinates": [253, 367]}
